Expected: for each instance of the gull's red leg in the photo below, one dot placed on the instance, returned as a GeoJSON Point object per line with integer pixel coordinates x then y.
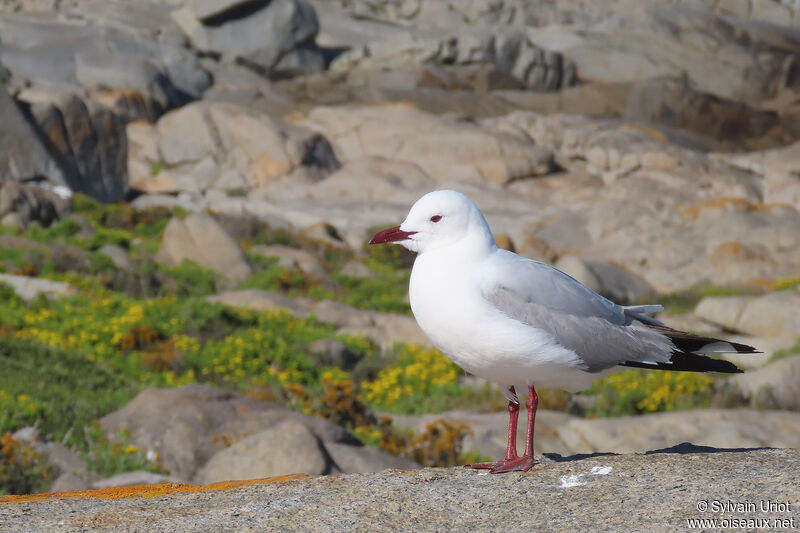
{"type": "Point", "coordinates": [526, 462]}
{"type": "Point", "coordinates": [511, 448]}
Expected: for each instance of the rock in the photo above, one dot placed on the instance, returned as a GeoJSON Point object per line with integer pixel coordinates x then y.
{"type": "Point", "coordinates": [185, 135]}
{"type": "Point", "coordinates": [774, 386]}
{"type": "Point", "coordinates": [61, 459]}
{"type": "Point", "coordinates": [276, 37]}
{"type": "Point", "coordinates": [225, 146]}
{"type": "Point", "coordinates": [674, 103]}
{"type": "Point", "coordinates": [677, 40]}
{"type": "Point", "coordinates": [118, 255]}
{"type": "Point", "coordinates": [203, 421]}
{"type": "Point", "coordinates": [135, 477]}
{"type": "Point", "coordinates": [31, 204]}
{"type": "Point", "coordinates": [668, 483]}
{"type": "Point", "coordinates": [294, 258]}
{"type": "Point", "coordinates": [444, 149]}
{"type": "Point", "coordinates": [565, 434]}
{"type": "Point", "coordinates": [23, 155]}
{"type": "Point", "coordinates": [360, 459]}
{"type": "Point", "coordinates": [356, 269]}
{"type": "Point", "coordinates": [330, 352]}
{"type": "Point", "coordinates": [287, 448]}
{"type": "Point", "coordinates": [29, 288]}
{"type": "Point", "coordinates": [201, 239]}
{"type": "Point", "coordinates": [605, 278]}
{"type": "Point", "coordinates": [89, 144]}
{"type": "Point", "coordinates": [69, 482]}
{"type": "Point", "coordinates": [129, 56]}
{"type": "Point", "coordinates": [771, 315]}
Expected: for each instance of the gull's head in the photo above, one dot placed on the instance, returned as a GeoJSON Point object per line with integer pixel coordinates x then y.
{"type": "Point", "coordinates": [439, 219]}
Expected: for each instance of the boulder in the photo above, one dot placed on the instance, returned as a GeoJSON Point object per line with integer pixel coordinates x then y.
{"type": "Point", "coordinates": [444, 149]}
{"type": "Point", "coordinates": [32, 203]}
{"type": "Point", "coordinates": [773, 386]}
{"type": "Point", "coordinates": [202, 239]}
{"type": "Point", "coordinates": [275, 38]}
{"type": "Point", "coordinates": [771, 315]}
{"type": "Point", "coordinates": [287, 448]}
{"type": "Point", "coordinates": [360, 459]}
{"type": "Point", "coordinates": [202, 421]}
{"type": "Point", "coordinates": [118, 255]}
{"type": "Point", "coordinates": [226, 147]}
{"type": "Point", "coordinates": [676, 40]}
{"type": "Point", "coordinates": [22, 155]}
{"type": "Point", "coordinates": [29, 288]}
{"type": "Point", "coordinates": [293, 258]}
{"type": "Point", "coordinates": [606, 279]}
{"type": "Point", "coordinates": [564, 434]}
{"type": "Point", "coordinates": [674, 103]}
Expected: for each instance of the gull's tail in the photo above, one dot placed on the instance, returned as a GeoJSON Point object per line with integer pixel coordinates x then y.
{"type": "Point", "coordinates": [690, 349]}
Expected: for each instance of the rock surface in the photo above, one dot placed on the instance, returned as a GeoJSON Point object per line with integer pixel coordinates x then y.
{"type": "Point", "coordinates": [659, 491]}
{"type": "Point", "coordinates": [201, 239]}
{"type": "Point", "coordinates": [211, 435]}
{"type": "Point", "coordinates": [565, 434]}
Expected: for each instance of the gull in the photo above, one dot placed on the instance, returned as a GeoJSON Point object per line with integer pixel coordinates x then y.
{"type": "Point", "coordinates": [521, 323]}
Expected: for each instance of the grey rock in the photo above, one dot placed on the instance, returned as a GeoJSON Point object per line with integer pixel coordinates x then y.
{"type": "Point", "coordinates": [29, 288]}
{"type": "Point", "coordinates": [606, 278]}
{"type": "Point", "coordinates": [665, 487]}
{"type": "Point", "coordinates": [674, 103]}
{"type": "Point", "coordinates": [69, 482]}
{"type": "Point", "coordinates": [330, 352]}
{"type": "Point", "coordinates": [206, 9]}
{"type": "Point", "coordinates": [201, 422]}
{"type": "Point", "coordinates": [62, 459]}
{"type": "Point", "coordinates": [673, 40]}
{"type": "Point", "coordinates": [201, 239]}
{"type": "Point", "coordinates": [118, 255]}
{"type": "Point", "coordinates": [135, 477]}
{"type": "Point", "coordinates": [566, 434]}
{"type": "Point", "coordinates": [771, 315]}
{"type": "Point", "coordinates": [23, 155]}
{"type": "Point", "coordinates": [259, 34]}
{"type": "Point", "coordinates": [296, 258]}
{"type": "Point", "coordinates": [32, 203]}
{"type": "Point", "coordinates": [360, 459]}
{"type": "Point", "coordinates": [773, 386]}
{"type": "Point", "coordinates": [287, 448]}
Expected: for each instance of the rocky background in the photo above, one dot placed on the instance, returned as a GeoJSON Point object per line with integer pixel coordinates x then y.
{"type": "Point", "coordinates": [649, 149]}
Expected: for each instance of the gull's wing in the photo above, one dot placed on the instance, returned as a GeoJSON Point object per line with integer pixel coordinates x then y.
{"type": "Point", "coordinates": [602, 333]}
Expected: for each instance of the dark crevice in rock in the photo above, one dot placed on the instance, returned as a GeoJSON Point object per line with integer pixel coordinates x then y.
{"type": "Point", "coordinates": [238, 12]}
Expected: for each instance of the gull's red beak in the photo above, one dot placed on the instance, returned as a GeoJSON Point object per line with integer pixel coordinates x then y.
{"type": "Point", "coordinates": [390, 235]}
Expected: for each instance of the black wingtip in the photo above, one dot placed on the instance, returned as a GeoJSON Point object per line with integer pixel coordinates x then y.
{"type": "Point", "coordinates": [690, 362]}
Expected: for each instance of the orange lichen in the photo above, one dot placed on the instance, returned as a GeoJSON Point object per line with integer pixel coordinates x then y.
{"type": "Point", "coordinates": [143, 491]}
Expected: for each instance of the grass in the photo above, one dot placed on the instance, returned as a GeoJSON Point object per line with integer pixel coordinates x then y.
{"type": "Point", "coordinates": [60, 390]}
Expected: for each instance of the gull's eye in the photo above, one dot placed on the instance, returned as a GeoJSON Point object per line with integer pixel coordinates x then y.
{"type": "Point", "coordinates": [436, 218]}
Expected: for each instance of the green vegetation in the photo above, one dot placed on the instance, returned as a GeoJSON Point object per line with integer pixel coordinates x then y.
{"type": "Point", "coordinates": [639, 391]}
{"type": "Point", "coordinates": [22, 470]}
{"type": "Point", "coordinates": [110, 458]}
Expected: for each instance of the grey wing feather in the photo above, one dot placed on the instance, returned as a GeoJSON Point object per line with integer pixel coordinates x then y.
{"type": "Point", "coordinates": [602, 333]}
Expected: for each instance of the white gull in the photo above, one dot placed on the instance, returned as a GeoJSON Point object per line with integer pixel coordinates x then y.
{"type": "Point", "coordinates": [520, 323]}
